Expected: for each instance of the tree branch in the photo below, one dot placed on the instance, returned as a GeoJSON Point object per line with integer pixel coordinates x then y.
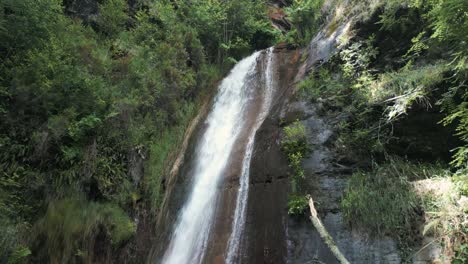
{"type": "Point", "coordinates": [324, 234]}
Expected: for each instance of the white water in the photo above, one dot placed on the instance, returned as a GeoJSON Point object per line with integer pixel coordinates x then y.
{"type": "Point", "coordinates": [224, 123]}
{"type": "Point", "coordinates": [242, 194]}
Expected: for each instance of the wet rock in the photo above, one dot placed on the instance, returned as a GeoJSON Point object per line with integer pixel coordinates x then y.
{"type": "Point", "coordinates": [265, 230]}
{"type": "Point", "coordinates": [176, 188]}
{"type": "Point", "coordinates": [87, 10]}
{"type": "Point", "coordinates": [278, 18]}
{"type": "Point", "coordinates": [430, 253]}
{"type": "Point", "coordinates": [136, 158]}
{"type": "Point", "coordinates": [306, 246]}
{"type": "Point", "coordinates": [420, 136]}
{"type": "Point", "coordinates": [326, 181]}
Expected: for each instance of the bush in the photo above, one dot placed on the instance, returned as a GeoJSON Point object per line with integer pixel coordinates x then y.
{"type": "Point", "coordinates": [71, 225]}
{"type": "Point", "coordinates": [323, 84]}
{"type": "Point", "coordinates": [295, 140]}
{"type": "Point", "coordinates": [382, 201]}
{"type": "Point", "coordinates": [12, 241]}
{"type": "Point", "coordinates": [297, 204]}
{"type": "Point", "coordinates": [295, 146]}
{"type": "Point", "coordinates": [306, 16]}
{"type": "Point", "coordinates": [446, 207]}
{"type": "Point", "coordinates": [112, 17]}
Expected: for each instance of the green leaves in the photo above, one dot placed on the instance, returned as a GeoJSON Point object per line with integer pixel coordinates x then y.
{"type": "Point", "coordinates": [294, 145]}
{"type": "Point", "coordinates": [112, 17]}
{"type": "Point", "coordinates": [382, 201]}
{"type": "Point", "coordinates": [78, 98]}
{"type": "Point", "coordinates": [305, 15]}
{"type": "Point", "coordinates": [72, 223]}
{"type": "Point", "coordinates": [297, 204]}
{"type": "Point", "coordinates": [19, 254]}
{"type": "Point", "coordinates": [229, 28]}
{"type": "Point", "coordinates": [84, 126]}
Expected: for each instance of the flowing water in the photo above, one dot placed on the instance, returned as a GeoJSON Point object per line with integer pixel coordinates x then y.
{"type": "Point", "coordinates": [242, 196]}
{"type": "Point", "coordinates": [224, 125]}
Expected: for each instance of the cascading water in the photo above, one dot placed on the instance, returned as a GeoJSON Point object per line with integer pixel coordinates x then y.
{"type": "Point", "coordinates": [190, 235]}
{"type": "Point", "coordinates": [242, 195]}
{"type": "Point", "coordinates": [225, 123]}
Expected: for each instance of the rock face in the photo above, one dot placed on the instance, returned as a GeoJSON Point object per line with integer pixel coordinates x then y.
{"type": "Point", "coordinates": [265, 232]}
{"type": "Point", "coordinates": [270, 234]}
{"type": "Point", "coordinates": [176, 188]}
{"type": "Point", "coordinates": [258, 241]}
{"type": "Point", "coordinates": [326, 181]}
{"type": "Point", "coordinates": [420, 136]}
{"type": "Point", "coordinates": [87, 10]}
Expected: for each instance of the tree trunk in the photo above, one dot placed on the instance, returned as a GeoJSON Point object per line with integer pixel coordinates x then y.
{"type": "Point", "coordinates": [324, 234]}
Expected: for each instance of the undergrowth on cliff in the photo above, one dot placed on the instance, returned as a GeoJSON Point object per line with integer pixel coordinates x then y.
{"type": "Point", "coordinates": [306, 18]}
{"type": "Point", "coordinates": [406, 58]}
{"type": "Point", "coordinates": [446, 205]}
{"type": "Point", "coordinates": [294, 144]}
{"type": "Point", "coordinates": [383, 201]}
{"type": "Point", "coordinates": [70, 227]}
{"type": "Point", "coordinates": [297, 204]}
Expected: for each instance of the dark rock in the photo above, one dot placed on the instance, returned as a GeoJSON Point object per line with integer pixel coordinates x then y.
{"type": "Point", "coordinates": [136, 159]}
{"type": "Point", "coordinates": [326, 182]}
{"type": "Point", "coordinates": [86, 10]}
{"type": "Point", "coordinates": [420, 136]}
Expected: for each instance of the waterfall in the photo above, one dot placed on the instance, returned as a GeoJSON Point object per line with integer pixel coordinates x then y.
{"type": "Point", "coordinates": [224, 123]}
{"type": "Point", "coordinates": [242, 195]}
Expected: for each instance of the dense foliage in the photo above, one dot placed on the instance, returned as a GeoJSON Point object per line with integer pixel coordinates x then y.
{"type": "Point", "coordinates": [406, 60]}
{"type": "Point", "coordinates": [295, 146]}
{"type": "Point", "coordinates": [94, 99]}
{"type": "Point", "coordinates": [306, 18]}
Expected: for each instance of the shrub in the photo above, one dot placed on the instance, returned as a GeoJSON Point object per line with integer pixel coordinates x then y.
{"type": "Point", "coordinates": [324, 84]}
{"type": "Point", "coordinates": [295, 140]}
{"type": "Point", "coordinates": [295, 146]}
{"type": "Point", "coordinates": [382, 201]}
{"type": "Point", "coordinates": [71, 225]}
{"type": "Point", "coordinates": [19, 255]}
{"type": "Point", "coordinates": [297, 204]}
{"type": "Point", "coordinates": [11, 244]}
{"type": "Point", "coordinates": [112, 17]}
{"type": "Point", "coordinates": [306, 16]}
{"type": "Point", "coordinates": [446, 207]}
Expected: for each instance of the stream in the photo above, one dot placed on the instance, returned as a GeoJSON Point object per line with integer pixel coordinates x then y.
{"type": "Point", "coordinates": [235, 117]}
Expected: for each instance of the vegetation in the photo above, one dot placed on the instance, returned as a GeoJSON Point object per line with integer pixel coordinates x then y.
{"type": "Point", "coordinates": [297, 204]}
{"type": "Point", "coordinates": [74, 222]}
{"type": "Point", "coordinates": [294, 145]}
{"type": "Point", "coordinates": [383, 200]}
{"type": "Point", "coordinates": [95, 97]}
{"type": "Point", "coordinates": [446, 207]}
{"type": "Point", "coordinates": [404, 56]}
{"type": "Point", "coordinates": [306, 18]}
